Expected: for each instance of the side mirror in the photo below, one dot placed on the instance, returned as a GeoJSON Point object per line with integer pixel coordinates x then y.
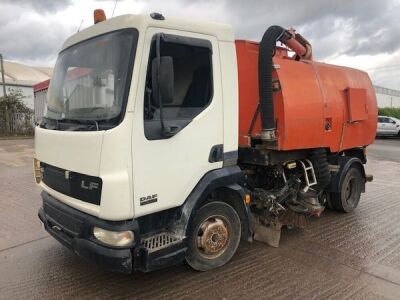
{"type": "Point", "coordinates": [164, 82]}
{"type": "Point", "coordinates": [166, 78]}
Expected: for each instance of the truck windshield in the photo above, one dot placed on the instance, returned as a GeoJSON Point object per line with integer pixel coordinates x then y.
{"type": "Point", "coordinates": [91, 81]}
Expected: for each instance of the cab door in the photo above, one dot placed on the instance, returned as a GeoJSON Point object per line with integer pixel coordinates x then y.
{"type": "Point", "coordinates": [167, 167]}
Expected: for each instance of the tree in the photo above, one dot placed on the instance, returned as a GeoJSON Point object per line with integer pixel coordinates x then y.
{"type": "Point", "coordinates": [15, 116]}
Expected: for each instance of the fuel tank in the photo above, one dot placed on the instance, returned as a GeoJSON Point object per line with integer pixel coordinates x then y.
{"type": "Point", "coordinates": [316, 105]}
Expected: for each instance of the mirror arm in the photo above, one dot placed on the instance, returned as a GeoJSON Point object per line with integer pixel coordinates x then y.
{"type": "Point", "coordinates": [148, 104]}
{"type": "Point", "coordinates": [160, 104]}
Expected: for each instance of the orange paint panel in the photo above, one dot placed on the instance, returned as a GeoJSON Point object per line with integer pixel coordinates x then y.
{"type": "Point", "coordinates": [314, 105]}
{"type": "Point", "coordinates": [357, 104]}
{"type": "Point", "coordinates": [302, 105]}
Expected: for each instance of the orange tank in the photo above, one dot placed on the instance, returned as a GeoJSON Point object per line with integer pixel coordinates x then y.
{"type": "Point", "coordinates": [316, 105]}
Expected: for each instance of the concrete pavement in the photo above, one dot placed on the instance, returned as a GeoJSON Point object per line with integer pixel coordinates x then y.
{"type": "Point", "coordinates": [338, 256]}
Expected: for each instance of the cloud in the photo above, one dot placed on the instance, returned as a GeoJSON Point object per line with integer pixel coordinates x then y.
{"type": "Point", "coordinates": [40, 5]}
{"type": "Point", "coordinates": [333, 27]}
{"type": "Point", "coordinates": [340, 31]}
{"type": "Point", "coordinates": [29, 37]}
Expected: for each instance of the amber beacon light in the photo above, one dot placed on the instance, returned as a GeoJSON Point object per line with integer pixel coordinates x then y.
{"type": "Point", "coordinates": [99, 16]}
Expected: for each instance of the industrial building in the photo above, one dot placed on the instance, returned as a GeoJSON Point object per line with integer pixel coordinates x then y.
{"type": "Point", "coordinates": [22, 77]}
{"type": "Point", "coordinates": [387, 97]}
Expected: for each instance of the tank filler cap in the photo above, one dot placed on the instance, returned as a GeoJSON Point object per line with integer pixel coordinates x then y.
{"type": "Point", "coordinates": [157, 16]}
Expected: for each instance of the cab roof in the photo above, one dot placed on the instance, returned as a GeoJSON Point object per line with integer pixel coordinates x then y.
{"type": "Point", "coordinates": [223, 32]}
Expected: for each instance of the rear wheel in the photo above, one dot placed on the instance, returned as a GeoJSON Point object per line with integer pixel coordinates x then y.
{"type": "Point", "coordinates": [350, 192]}
{"type": "Point", "coordinates": [214, 237]}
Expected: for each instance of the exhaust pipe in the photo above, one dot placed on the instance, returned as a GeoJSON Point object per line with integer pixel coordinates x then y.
{"type": "Point", "coordinates": [300, 46]}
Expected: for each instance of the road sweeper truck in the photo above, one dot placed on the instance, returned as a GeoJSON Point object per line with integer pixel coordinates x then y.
{"type": "Point", "coordinates": [167, 140]}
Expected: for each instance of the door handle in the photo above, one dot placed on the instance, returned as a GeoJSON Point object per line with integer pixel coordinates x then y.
{"type": "Point", "coordinates": [216, 153]}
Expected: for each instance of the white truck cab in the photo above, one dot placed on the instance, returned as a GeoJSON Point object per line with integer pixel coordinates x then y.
{"type": "Point", "coordinates": [109, 157]}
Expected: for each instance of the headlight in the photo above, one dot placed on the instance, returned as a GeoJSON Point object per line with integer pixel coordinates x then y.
{"type": "Point", "coordinates": [36, 170]}
{"type": "Point", "coordinates": [114, 238]}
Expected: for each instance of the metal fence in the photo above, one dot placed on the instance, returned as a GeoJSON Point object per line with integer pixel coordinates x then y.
{"type": "Point", "coordinates": [16, 123]}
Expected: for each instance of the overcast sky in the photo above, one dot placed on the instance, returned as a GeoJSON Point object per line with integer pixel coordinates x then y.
{"type": "Point", "coordinates": [359, 33]}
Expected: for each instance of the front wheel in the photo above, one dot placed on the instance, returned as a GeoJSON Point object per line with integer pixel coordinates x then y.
{"type": "Point", "coordinates": [350, 192]}
{"type": "Point", "coordinates": [214, 236]}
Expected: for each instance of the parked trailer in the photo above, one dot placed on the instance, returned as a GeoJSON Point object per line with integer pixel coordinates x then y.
{"type": "Point", "coordinates": [166, 140]}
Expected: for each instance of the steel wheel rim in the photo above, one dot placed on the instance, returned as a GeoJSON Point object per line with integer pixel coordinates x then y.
{"type": "Point", "coordinates": [212, 236]}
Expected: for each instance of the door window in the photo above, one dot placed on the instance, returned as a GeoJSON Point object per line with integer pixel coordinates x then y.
{"type": "Point", "coordinates": [193, 84]}
{"type": "Point", "coordinates": [384, 120]}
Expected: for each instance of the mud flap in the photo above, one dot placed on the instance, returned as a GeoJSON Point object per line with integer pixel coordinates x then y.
{"type": "Point", "coordinates": [270, 235]}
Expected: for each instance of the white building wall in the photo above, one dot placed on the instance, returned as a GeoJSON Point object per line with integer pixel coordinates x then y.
{"type": "Point", "coordinates": [387, 100]}
{"type": "Point", "coordinates": [387, 97]}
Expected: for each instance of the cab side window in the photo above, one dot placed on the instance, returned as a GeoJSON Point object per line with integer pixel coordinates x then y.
{"type": "Point", "coordinates": [193, 84]}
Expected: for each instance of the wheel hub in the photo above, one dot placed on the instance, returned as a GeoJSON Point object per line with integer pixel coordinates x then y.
{"type": "Point", "coordinates": [212, 237]}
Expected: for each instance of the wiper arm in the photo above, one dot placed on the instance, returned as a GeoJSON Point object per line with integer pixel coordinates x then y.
{"type": "Point", "coordinates": [84, 122]}
{"type": "Point", "coordinates": [45, 121]}
{"type": "Point", "coordinates": [97, 125]}
{"type": "Point", "coordinates": [66, 102]}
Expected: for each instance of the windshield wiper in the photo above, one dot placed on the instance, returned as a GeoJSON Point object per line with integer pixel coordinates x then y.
{"type": "Point", "coordinates": [97, 124]}
{"type": "Point", "coordinates": [45, 121]}
{"type": "Point", "coordinates": [62, 124]}
{"type": "Point", "coordinates": [66, 102]}
{"type": "Point", "coordinates": [82, 122]}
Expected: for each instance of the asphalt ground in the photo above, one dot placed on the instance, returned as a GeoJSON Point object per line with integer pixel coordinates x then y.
{"type": "Point", "coordinates": [385, 148]}
{"type": "Point", "coordinates": [338, 256]}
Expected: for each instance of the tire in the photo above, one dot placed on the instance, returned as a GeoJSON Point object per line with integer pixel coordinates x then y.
{"type": "Point", "coordinates": [350, 192]}
{"type": "Point", "coordinates": [214, 236]}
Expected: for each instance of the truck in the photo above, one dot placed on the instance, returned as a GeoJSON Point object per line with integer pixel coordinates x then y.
{"type": "Point", "coordinates": [166, 140]}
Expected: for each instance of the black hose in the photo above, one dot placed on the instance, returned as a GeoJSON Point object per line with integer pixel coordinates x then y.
{"type": "Point", "coordinates": [319, 159]}
{"type": "Point", "coordinates": [266, 52]}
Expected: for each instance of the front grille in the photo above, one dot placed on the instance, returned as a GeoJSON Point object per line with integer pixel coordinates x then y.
{"type": "Point", "coordinates": [159, 241]}
{"type": "Point", "coordinates": [73, 184]}
{"type": "Point", "coordinates": [70, 225]}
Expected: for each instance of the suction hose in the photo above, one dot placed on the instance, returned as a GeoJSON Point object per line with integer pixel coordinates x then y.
{"type": "Point", "coordinates": [266, 51]}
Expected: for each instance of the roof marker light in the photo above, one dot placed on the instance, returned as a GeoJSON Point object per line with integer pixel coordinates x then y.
{"type": "Point", "coordinates": [157, 16]}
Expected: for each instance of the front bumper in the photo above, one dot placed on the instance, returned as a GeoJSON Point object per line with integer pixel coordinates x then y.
{"type": "Point", "coordinates": [73, 229]}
